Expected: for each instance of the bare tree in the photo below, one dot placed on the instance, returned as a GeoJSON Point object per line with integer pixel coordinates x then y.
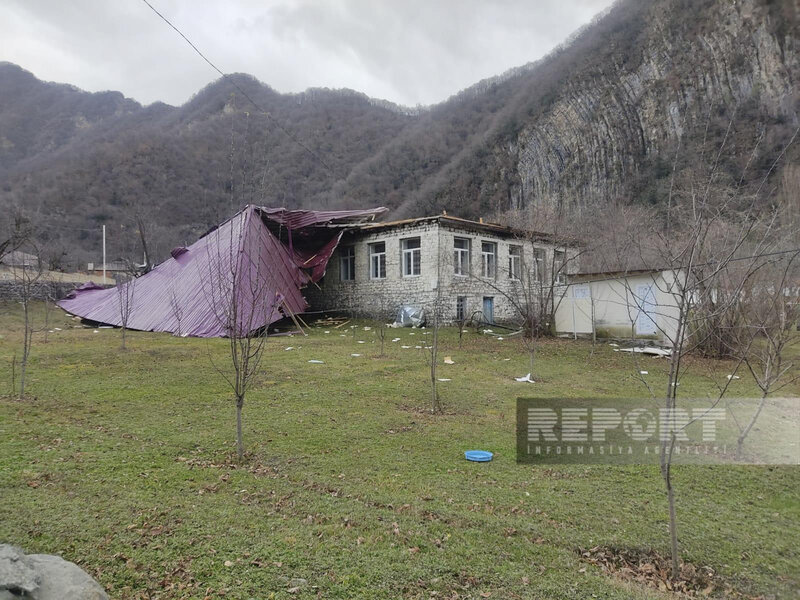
{"type": "Point", "coordinates": [711, 228]}
{"type": "Point", "coordinates": [433, 319]}
{"type": "Point", "coordinates": [26, 283]}
{"type": "Point", "coordinates": [767, 331]}
{"type": "Point", "coordinates": [240, 289]}
{"type": "Point", "coordinates": [126, 287]}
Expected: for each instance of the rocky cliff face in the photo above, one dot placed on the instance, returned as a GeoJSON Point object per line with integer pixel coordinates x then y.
{"type": "Point", "coordinates": [607, 126]}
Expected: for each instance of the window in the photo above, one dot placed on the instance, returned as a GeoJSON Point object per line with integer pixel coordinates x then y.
{"type": "Point", "coordinates": [377, 260]}
{"type": "Point", "coordinates": [347, 264]}
{"type": "Point", "coordinates": [461, 308]}
{"type": "Point", "coordinates": [461, 256]}
{"type": "Point", "coordinates": [489, 259]}
{"type": "Point", "coordinates": [538, 264]}
{"type": "Point", "coordinates": [411, 257]}
{"type": "Point", "coordinates": [514, 262]}
{"type": "Point", "coordinates": [560, 266]}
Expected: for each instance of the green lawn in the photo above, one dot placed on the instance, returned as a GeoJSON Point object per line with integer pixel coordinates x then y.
{"type": "Point", "coordinates": [122, 462]}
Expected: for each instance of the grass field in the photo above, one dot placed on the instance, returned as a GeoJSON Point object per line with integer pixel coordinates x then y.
{"type": "Point", "coordinates": [123, 463]}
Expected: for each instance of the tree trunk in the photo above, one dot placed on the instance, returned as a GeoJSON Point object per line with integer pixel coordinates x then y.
{"type": "Point", "coordinates": [123, 336]}
{"type": "Point", "coordinates": [25, 350]}
{"type": "Point", "coordinates": [673, 529]}
{"type": "Point", "coordinates": [744, 433]}
{"type": "Point", "coordinates": [239, 437]}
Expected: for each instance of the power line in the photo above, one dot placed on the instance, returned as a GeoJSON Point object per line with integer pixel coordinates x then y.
{"type": "Point", "coordinates": [245, 94]}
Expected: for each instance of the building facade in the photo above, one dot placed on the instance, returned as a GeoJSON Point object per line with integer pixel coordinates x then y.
{"type": "Point", "coordinates": [466, 268]}
{"type": "Point", "coordinates": [640, 304]}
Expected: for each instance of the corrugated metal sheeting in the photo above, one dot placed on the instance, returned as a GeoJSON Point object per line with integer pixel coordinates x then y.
{"type": "Point", "coordinates": [236, 279]}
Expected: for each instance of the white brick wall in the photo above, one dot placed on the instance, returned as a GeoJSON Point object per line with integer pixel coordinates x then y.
{"type": "Point", "coordinates": [382, 298]}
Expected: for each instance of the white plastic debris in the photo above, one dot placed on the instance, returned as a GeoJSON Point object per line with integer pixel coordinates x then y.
{"type": "Point", "coordinates": [418, 347]}
{"type": "Point", "coordinates": [361, 341]}
{"type": "Point", "coordinates": [396, 340]}
{"type": "Point", "coordinates": [643, 373]}
{"type": "Point", "coordinates": [526, 378]}
{"type": "Point", "coordinates": [506, 359]}
{"type": "Point", "coordinates": [289, 348]}
{"type": "Point", "coordinates": [317, 362]}
{"type": "Point", "coordinates": [327, 332]}
{"type": "Point", "coordinates": [733, 377]}
{"type": "Point", "coordinates": [444, 379]}
{"type": "Point", "coordinates": [499, 338]}
{"type": "Point", "coordinates": [405, 347]}
{"type": "Point", "coordinates": [448, 360]}
{"type": "Point", "coordinates": [614, 345]}
{"type": "Point", "coordinates": [356, 355]}
{"type": "Point", "coordinates": [647, 350]}
{"type": "Point", "coordinates": [367, 328]}
{"type": "Point", "coordinates": [57, 328]}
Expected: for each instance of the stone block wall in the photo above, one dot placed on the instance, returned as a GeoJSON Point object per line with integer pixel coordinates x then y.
{"type": "Point", "coordinates": [381, 298]}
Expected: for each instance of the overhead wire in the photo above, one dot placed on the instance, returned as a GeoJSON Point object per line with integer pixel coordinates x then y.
{"type": "Point", "coordinates": [242, 91]}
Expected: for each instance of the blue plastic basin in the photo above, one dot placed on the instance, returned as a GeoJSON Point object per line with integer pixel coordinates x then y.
{"type": "Point", "coordinates": [478, 455]}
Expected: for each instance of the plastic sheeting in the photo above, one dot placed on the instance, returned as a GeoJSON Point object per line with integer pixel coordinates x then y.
{"type": "Point", "coordinates": [410, 316]}
{"type": "Point", "coordinates": [243, 275]}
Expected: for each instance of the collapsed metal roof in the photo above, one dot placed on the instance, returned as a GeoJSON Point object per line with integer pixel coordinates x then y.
{"type": "Point", "coordinates": [241, 276]}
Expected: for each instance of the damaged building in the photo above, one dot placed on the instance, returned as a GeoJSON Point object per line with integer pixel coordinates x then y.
{"type": "Point", "coordinates": [476, 269]}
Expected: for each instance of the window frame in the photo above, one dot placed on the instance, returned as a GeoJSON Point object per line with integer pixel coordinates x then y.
{"type": "Point", "coordinates": [381, 261]}
{"type": "Point", "coordinates": [560, 266]}
{"type": "Point", "coordinates": [461, 308]}
{"type": "Point", "coordinates": [515, 262]}
{"type": "Point", "coordinates": [348, 259]}
{"type": "Point", "coordinates": [459, 265]}
{"type": "Point", "coordinates": [410, 254]}
{"type": "Point", "coordinates": [539, 261]}
{"type": "Point", "coordinates": [485, 262]}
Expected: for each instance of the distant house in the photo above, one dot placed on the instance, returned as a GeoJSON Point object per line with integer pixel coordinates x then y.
{"type": "Point", "coordinates": [20, 259]}
{"type": "Point", "coordinates": [638, 304]}
{"type": "Point", "coordinates": [474, 266]}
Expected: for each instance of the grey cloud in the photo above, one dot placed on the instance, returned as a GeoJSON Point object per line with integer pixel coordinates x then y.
{"type": "Point", "coordinates": [410, 52]}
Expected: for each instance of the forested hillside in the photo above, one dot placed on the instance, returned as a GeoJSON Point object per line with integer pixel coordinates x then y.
{"type": "Point", "coordinates": [599, 120]}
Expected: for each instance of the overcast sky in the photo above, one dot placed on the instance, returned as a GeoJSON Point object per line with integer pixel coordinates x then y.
{"type": "Point", "coordinates": [407, 51]}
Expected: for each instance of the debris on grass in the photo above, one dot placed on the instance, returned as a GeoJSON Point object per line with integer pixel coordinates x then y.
{"type": "Point", "coordinates": [396, 340]}
{"type": "Point", "coordinates": [444, 379]}
{"type": "Point", "coordinates": [652, 350]}
{"type": "Point", "coordinates": [448, 360]}
{"type": "Point", "coordinates": [653, 570]}
{"type": "Point", "coordinates": [526, 378]}
{"type": "Point", "coordinates": [317, 362]}
{"type": "Point", "coordinates": [355, 355]}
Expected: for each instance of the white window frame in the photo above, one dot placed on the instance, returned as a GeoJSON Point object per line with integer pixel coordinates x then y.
{"type": "Point", "coordinates": [461, 257]}
{"type": "Point", "coordinates": [514, 262]}
{"type": "Point", "coordinates": [411, 257]}
{"type": "Point", "coordinates": [560, 267]}
{"type": "Point", "coordinates": [347, 263]}
{"type": "Point", "coordinates": [539, 258]}
{"type": "Point", "coordinates": [377, 261]}
{"type": "Point", "coordinates": [489, 260]}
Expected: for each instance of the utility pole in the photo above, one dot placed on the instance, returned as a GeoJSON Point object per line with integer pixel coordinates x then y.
{"type": "Point", "coordinates": [104, 254]}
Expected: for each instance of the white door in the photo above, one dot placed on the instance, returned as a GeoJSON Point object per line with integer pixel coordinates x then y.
{"type": "Point", "coordinates": [646, 318]}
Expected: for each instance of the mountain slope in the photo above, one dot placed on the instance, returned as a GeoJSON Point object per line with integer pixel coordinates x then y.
{"type": "Point", "coordinates": [599, 120]}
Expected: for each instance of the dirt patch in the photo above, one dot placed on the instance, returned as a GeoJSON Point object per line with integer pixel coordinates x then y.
{"type": "Point", "coordinates": [649, 568]}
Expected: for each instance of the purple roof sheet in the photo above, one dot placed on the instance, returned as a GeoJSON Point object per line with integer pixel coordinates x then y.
{"type": "Point", "coordinates": [234, 280]}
